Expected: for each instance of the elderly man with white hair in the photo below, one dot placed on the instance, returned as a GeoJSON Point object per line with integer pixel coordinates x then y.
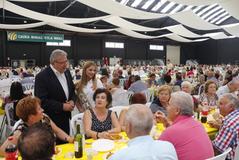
{"type": "Point", "coordinates": [228, 135]}
{"type": "Point", "coordinates": [187, 87]}
{"type": "Point", "coordinates": [139, 121]}
{"type": "Point", "coordinates": [230, 87]}
{"type": "Point", "coordinates": [186, 134]}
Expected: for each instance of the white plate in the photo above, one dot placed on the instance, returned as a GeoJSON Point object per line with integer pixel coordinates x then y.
{"type": "Point", "coordinates": [103, 145]}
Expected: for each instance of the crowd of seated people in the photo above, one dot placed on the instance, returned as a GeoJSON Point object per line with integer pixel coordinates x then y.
{"type": "Point", "coordinates": [204, 85]}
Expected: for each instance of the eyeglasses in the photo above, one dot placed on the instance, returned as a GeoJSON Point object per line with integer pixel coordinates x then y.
{"type": "Point", "coordinates": [63, 62]}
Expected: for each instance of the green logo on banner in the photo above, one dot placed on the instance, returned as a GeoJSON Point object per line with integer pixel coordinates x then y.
{"type": "Point", "coordinates": [12, 36]}
{"type": "Point", "coordinates": [34, 37]}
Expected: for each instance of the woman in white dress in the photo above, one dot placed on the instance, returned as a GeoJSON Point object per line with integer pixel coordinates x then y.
{"type": "Point", "coordinates": [86, 87]}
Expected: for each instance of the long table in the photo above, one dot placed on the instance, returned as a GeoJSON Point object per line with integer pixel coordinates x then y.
{"type": "Point", "coordinates": [66, 151]}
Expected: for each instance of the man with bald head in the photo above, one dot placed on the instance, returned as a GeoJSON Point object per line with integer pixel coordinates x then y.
{"type": "Point", "coordinates": [139, 122]}
{"type": "Point", "coordinates": [187, 135]}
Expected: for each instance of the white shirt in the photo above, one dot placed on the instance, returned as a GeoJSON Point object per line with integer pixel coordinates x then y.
{"type": "Point", "coordinates": [62, 79]}
{"type": "Point", "coordinates": [222, 90]}
{"type": "Point", "coordinates": [88, 90]}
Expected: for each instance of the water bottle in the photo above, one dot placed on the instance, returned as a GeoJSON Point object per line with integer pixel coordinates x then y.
{"type": "Point", "coordinates": [11, 150]}
{"type": "Point", "coordinates": [78, 142]}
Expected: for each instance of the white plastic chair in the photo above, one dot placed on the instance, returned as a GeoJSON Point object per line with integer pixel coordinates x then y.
{"type": "Point", "coordinates": [200, 89]}
{"type": "Point", "coordinates": [16, 124]}
{"type": "Point", "coordinates": [28, 86]}
{"type": "Point", "coordinates": [237, 153]}
{"type": "Point", "coordinates": [149, 95]}
{"type": "Point", "coordinates": [122, 82]}
{"type": "Point", "coordinates": [77, 118]}
{"type": "Point", "coordinates": [129, 95]}
{"type": "Point", "coordinates": [148, 104]}
{"type": "Point", "coordinates": [9, 111]}
{"type": "Point", "coordinates": [118, 109]}
{"type": "Point", "coordinates": [221, 156]}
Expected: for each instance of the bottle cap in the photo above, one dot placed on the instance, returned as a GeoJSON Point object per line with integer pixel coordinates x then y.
{"type": "Point", "coordinates": [10, 138]}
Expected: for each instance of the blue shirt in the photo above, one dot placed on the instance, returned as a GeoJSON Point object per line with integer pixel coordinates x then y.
{"type": "Point", "coordinates": [145, 148]}
{"type": "Point", "coordinates": [138, 86]}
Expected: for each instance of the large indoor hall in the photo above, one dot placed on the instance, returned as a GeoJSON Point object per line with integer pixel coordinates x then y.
{"type": "Point", "coordinates": [119, 79]}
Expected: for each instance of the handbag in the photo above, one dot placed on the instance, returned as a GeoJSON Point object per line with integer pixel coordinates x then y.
{"type": "Point", "coordinates": [83, 102]}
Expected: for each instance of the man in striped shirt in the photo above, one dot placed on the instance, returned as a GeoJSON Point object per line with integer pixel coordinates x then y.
{"type": "Point", "coordinates": [228, 135]}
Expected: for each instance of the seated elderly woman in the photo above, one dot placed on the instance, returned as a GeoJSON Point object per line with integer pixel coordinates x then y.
{"type": "Point", "coordinates": [161, 102]}
{"type": "Point", "coordinates": [30, 112]}
{"type": "Point", "coordinates": [99, 122]}
{"type": "Point", "coordinates": [209, 96]}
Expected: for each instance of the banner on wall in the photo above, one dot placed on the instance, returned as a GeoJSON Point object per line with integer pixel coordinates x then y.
{"type": "Point", "coordinates": [34, 37]}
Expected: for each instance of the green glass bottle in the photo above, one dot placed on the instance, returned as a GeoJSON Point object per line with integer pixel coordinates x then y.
{"type": "Point", "coordinates": [78, 143]}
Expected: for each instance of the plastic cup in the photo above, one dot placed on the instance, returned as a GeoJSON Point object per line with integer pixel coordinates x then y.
{"type": "Point", "coordinates": [90, 153]}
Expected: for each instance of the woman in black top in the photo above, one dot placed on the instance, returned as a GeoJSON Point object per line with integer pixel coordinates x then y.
{"type": "Point", "coordinates": [99, 122]}
{"type": "Point", "coordinates": [161, 102]}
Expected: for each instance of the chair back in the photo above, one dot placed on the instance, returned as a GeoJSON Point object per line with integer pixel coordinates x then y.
{"type": "Point", "coordinates": [78, 118]}
{"type": "Point", "coordinates": [129, 95]}
{"type": "Point", "coordinates": [221, 156]}
{"type": "Point", "coordinates": [118, 109]}
{"type": "Point", "coordinates": [237, 153]}
{"type": "Point", "coordinates": [27, 86]}
{"type": "Point", "coordinates": [16, 124]}
{"type": "Point", "coordinates": [200, 89]}
{"type": "Point", "coordinates": [148, 104]}
{"type": "Point", "coordinates": [149, 95]}
{"type": "Point", "coordinates": [122, 82]}
{"type": "Point", "coordinates": [9, 110]}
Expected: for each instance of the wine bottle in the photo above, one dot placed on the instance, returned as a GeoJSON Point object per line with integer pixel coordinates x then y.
{"type": "Point", "coordinates": [78, 143]}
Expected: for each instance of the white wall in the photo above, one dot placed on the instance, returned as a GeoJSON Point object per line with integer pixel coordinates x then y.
{"type": "Point", "coordinates": [173, 53]}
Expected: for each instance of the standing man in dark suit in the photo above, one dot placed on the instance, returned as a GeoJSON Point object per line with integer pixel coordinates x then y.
{"type": "Point", "coordinates": [55, 88]}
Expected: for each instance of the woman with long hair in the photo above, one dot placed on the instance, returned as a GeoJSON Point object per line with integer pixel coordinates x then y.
{"type": "Point", "coordinates": [86, 87]}
{"type": "Point", "coordinates": [16, 94]}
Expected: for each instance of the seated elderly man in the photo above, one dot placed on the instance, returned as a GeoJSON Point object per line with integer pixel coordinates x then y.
{"type": "Point", "coordinates": [230, 87]}
{"type": "Point", "coordinates": [187, 87]}
{"type": "Point", "coordinates": [228, 135]}
{"type": "Point", "coordinates": [139, 121]}
{"type": "Point", "coordinates": [37, 143]}
{"type": "Point", "coordinates": [187, 135]}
